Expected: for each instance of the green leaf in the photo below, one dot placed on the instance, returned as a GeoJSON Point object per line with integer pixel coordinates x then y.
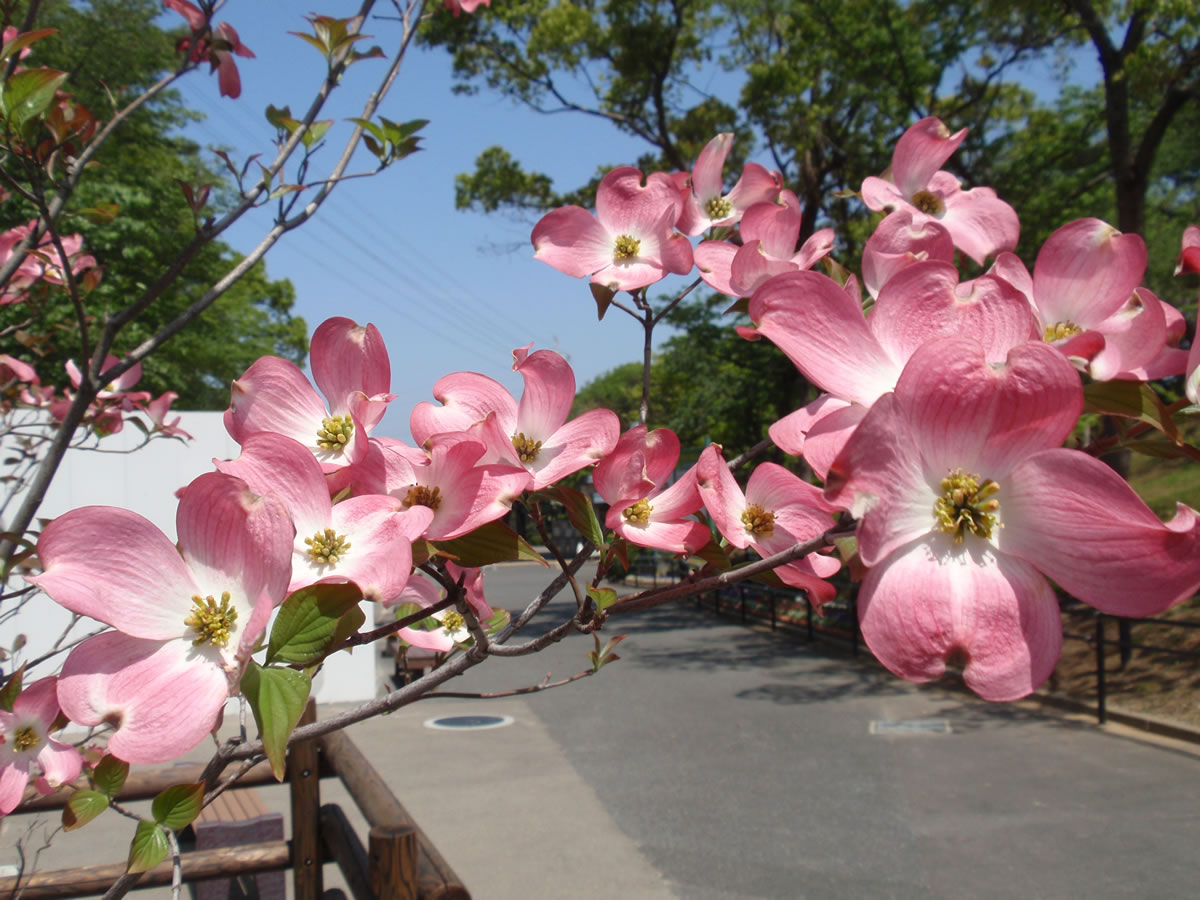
{"type": "Point", "coordinates": [321, 48]}
{"type": "Point", "coordinates": [602, 656]}
{"type": "Point", "coordinates": [82, 807]}
{"type": "Point", "coordinates": [277, 698]}
{"type": "Point", "coordinates": [110, 774]}
{"type": "Point", "coordinates": [29, 94]}
{"type": "Point", "coordinates": [348, 624]}
{"type": "Point", "coordinates": [740, 305]}
{"type": "Point", "coordinates": [101, 214]}
{"type": "Point", "coordinates": [307, 622]}
{"type": "Point", "coordinates": [315, 132]}
{"type": "Point", "coordinates": [1130, 399]}
{"type": "Point", "coordinates": [847, 546]}
{"type": "Point", "coordinates": [178, 805]}
{"type": "Point", "coordinates": [12, 689]}
{"type": "Point", "coordinates": [148, 848]}
{"type": "Point", "coordinates": [491, 543]}
{"type": "Point", "coordinates": [281, 118]}
{"type": "Point", "coordinates": [499, 620]}
{"type": "Point", "coordinates": [714, 555]}
{"type": "Point", "coordinates": [371, 127]}
{"type": "Point", "coordinates": [581, 513]}
{"type": "Point", "coordinates": [602, 598]}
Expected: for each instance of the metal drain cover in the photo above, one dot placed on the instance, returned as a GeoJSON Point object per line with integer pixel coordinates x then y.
{"type": "Point", "coordinates": [468, 723]}
{"type": "Point", "coordinates": [910, 726]}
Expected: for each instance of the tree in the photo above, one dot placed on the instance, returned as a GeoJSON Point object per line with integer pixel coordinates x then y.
{"type": "Point", "coordinates": [138, 176]}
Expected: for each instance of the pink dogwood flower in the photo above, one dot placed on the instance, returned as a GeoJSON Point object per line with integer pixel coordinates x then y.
{"type": "Point", "coordinates": [452, 626]}
{"type": "Point", "coordinates": [769, 232]}
{"type": "Point", "coordinates": [777, 511]}
{"type": "Point", "coordinates": [26, 747]}
{"type": "Point", "coordinates": [469, 6]}
{"type": "Point", "coordinates": [351, 367]}
{"type": "Point", "coordinates": [1084, 292]}
{"type": "Point", "coordinates": [642, 507]}
{"type": "Point", "coordinates": [448, 481]}
{"type": "Point", "coordinates": [1189, 252]}
{"type": "Point", "coordinates": [157, 410]}
{"type": "Point", "coordinates": [630, 243]}
{"type": "Point", "coordinates": [705, 203]}
{"type": "Point", "coordinates": [365, 539]}
{"type": "Point", "coordinates": [899, 241]}
{"type": "Point", "coordinates": [967, 504]}
{"type": "Point", "coordinates": [856, 358]}
{"type": "Point", "coordinates": [534, 435]}
{"type": "Point", "coordinates": [187, 618]}
{"type": "Point", "coordinates": [980, 222]}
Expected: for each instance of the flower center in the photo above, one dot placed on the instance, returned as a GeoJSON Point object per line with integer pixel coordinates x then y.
{"type": "Point", "coordinates": [966, 505]}
{"type": "Point", "coordinates": [25, 739]}
{"type": "Point", "coordinates": [1060, 331]}
{"type": "Point", "coordinates": [335, 432]}
{"type": "Point", "coordinates": [527, 448]}
{"type": "Point", "coordinates": [929, 203]}
{"type": "Point", "coordinates": [452, 621]}
{"type": "Point", "coordinates": [639, 513]}
{"type": "Point", "coordinates": [758, 521]}
{"type": "Point", "coordinates": [420, 495]}
{"type": "Point", "coordinates": [718, 208]}
{"type": "Point", "coordinates": [626, 248]}
{"type": "Point", "coordinates": [327, 547]}
{"type": "Point", "coordinates": [211, 621]}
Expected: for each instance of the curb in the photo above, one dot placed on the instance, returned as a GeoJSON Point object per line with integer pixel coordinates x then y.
{"type": "Point", "coordinates": [1129, 718]}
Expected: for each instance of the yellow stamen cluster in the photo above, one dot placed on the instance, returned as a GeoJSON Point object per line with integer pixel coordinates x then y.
{"type": "Point", "coordinates": [967, 504]}
{"type": "Point", "coordinates": [327, 547]}
{"type": "Point", "coordinates": [929, 203]}
{"type": "Point", "coordinates": [626, 248]}
{"type": "Point", "coordinates": [452, 621]}
{"type": "Point", "coordinates": [718, 208]}
{"type": "Point", "coordinates": [527, 448]}
{"type": "Point", "coordinates": [639, 513]}
{"type": "Point", "coordinates": [1060, 331]}
{"type": "Point", "coordinates": [420, 495]}
{"type": "Point", "coordinates": [211, 621]}
{"type": "Point", "coordinates": [25, 739]}
{"type": "Point", "coordinates": [335, 432]}
{"type": "Point", "coordinates": [758, 521]}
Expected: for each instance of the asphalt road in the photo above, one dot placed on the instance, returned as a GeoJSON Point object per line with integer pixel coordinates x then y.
{"type": "Point", "coordinates": [742, 764]}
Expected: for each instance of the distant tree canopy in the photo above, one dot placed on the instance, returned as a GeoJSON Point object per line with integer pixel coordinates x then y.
{"type": "Point", "coordinates": [116, 50]}
{"type": "Point", "coordinates": [825, 87]}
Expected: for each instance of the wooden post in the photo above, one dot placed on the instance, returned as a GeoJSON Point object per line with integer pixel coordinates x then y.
{"type": "Point", "coordinates": [305, 784]}
{"type": "Point", "coordinates": [393, 854]}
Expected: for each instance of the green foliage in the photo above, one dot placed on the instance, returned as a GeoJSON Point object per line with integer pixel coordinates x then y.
{"type": "Point", "coordinates": [277, 698]}
{"type": "Point", "coordinates": [304, 629]}
{"type": "Point", "coordinates": [491, 543]}
{"type": "Point", "coordinates": [148, 848]}
{"type": "Point", "coordinates": [82, 807]}
{"type": "Point", "coordinates": [135, 218]}
{"type": "Point", "coordinates": [178, 805]}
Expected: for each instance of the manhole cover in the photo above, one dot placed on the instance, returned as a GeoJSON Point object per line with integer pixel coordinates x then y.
{"type": "Point", "coordinates": [910, 726]}
{"type": "Point", "coordinates": [468, 723]}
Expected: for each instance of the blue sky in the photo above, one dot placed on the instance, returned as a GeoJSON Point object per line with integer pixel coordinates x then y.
{"type": "Point", "coordinates": [449, 290]}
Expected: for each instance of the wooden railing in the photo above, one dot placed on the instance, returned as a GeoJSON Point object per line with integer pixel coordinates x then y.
{"type": "Point", "coordinates": [399, 861]}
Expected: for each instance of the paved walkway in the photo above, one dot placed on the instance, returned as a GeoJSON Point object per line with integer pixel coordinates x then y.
{"type": "Point", "coordinates": [717, 761]}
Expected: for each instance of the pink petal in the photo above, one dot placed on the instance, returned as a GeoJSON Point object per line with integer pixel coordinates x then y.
{"type": "Point", "coordinates": [549, 392]}
{"type": "Point", "coordinates": [466, 398]}
{"type": "Point", "coordinates": [722, 497]}
{"type": "Point", "coordinates": [708, 179]}
{"type": "Point", "coordinates": [822, 330]}
{"type": "Point", "coordinates": [380, 557]}
{"type": "Point", "coordinates": [164, 697]}
{"type": "Point", "coordinates": [933, 601]}
{"type": "Point", "coordinates": [817, 247]}
{"type": "Point", "coordinates": [1087, 271]}
{"type": "Point", "coordinates": [61, 764]}
{"type": "Point", "coordinates": [13, 779]}
{"type": "Point", "coordinates": [828, 435]}
{"type": "Point", "coordinates": [1189, 254]}
{"type": "Point", "coordinates": [638, 463]}
{"type": "Point", "coordinates": [571, 240]}
{"type": "Point", "coordinates": [790, 432]}
{"type": "Point", "coordinates": [881, 194]}
{"type": "Point", "coordinates": [751, 267]}
{"type": "Point", "coordinates": [671, 536]}
{"type": "Point", "coordinates": [582, 441]}
{"type": "Point", "coordinates": [898, 242]}
{"type": "Point", "coordinates": [676, 254]}
{"type": "Point", "coordinates": [237, 541]}
{"type": "Point", "coordinates": [1132, 337]}
{"type": "Point", "coordinates": [273, 464]}
{"type": "Point", "coordinates": [925, 301]}
{"type": "Point", "coordinates": [981, 223]}
{"type": "Point", "coordinates": [1080, 523]}
{"type": "Point", "coordinates": [39, 701]}
{"type": "Point", "coordinates": [195, 17]}
{"type": "Point", "coordinates": [681, 499]}
{"type": "Point", "coordinates": [756, 185]}
{"type": "Point", "coordinates": [347, 358]}
{"type": "Point", "coordinates": [625, 206]}
{"type": "Point", "coordinates": [714, 260]}
{"type": "Point", "coordinates": [117, 567]}
{"type": "Point", "coordinates": [1192, 386]}
{"type": "Point", "coordinates": [775, 224]}
{"type": "Point", "coordinates": [228, 80]}
{"type": "Point", "coordinates": [920, 152]}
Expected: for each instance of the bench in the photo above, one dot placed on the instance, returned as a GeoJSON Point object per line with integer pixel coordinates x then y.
{"type": "Point", "coordinates": [413, 662]}
{"type": "Point", "coordinates": [235, 818]}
